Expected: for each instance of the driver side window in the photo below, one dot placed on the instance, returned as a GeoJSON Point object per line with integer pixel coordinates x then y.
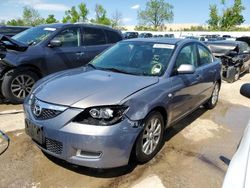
{"type": "Point", "coordinates": [69, 37]}
{"type": "Point", "coordinates": [187, 55]}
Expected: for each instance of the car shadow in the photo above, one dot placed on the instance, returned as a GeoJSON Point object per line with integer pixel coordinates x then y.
{"type": "Point", "coordinates": [180, 125]}
{"type": "Point", "coordinates": [119, 171]}
{"type": "Point", "coordinates": [99, 173]}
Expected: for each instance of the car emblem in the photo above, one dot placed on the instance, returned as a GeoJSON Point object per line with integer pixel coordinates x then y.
{"type": "Point", "coordinates": [37, 110]}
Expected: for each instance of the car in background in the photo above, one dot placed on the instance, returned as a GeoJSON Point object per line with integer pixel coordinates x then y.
{"type": "Point", "coordinates": [45, 49]}
{"type": "Point", "coordinates": [238, 173]}
{"type": "Point", "coordinates": [130, 35]}
{"type": "Point", "coordinates": [169, 35]}
{"type": "Point", "coordinates": [157, 36]}
{"type": "Point", "coordinates": [122, 101]}
{"type": "Point", "coordinates": [146, 35]}
{"type": "Point", "coordinates": [235, 58]}
{"type": "Point", "coordinates": [10, 31]}
{"type": "Point", "coordinates": [244, 39]}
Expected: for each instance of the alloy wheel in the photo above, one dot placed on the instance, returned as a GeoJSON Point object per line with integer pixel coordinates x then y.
{"type": "Point", "coordinates": [151, 136]}
{"type": "Point", "coordinates": [21, 86]}
{"type": "Point", "coordinates": [215, 94]}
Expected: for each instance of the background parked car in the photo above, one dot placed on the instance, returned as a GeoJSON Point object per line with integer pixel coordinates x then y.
{"type": "Point", "coordinates": [235, 58]}
{"type": "Point", "coordinates": [130, 35]}
{"type": "Point", "coordinates": [46, 49]}
{"type": "Point", "coordinates": [145, 35]}
{"type": "Point", "coordinates": [10, 31]}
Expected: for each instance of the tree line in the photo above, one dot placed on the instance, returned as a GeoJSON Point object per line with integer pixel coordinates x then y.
{"type": "Point", "coordinates": [155, 15]}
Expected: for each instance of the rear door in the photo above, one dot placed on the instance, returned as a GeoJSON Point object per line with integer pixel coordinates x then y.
{"type": "Point", "coordinates": [69, 54]}
{"type": "Point", "coordinates": [186, 87]}
{"type": "Point", "coordinates": [208, 67]}
{"type": "Point", "coordinates": [94, 42]}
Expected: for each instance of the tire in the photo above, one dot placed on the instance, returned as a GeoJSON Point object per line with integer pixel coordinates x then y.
{"type": "Point", "coordinates": [145, 152]}
{"type": "Point", "coordinates": [235, 76]}
{"type": "Point", "coordinates": [213, 100]}
{"type": "Point", "coordinates": [17, 84]}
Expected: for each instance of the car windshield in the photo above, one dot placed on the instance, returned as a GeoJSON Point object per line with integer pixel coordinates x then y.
{"type": "Point", "coordinates": [34, 35]}
{"type": "Point", "coordinates": [137, 58]}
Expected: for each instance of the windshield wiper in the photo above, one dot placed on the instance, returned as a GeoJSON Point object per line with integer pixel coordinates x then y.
{"type": "Point", "coordinates": [116, 70]}
{"type": "Point", "coordinates": [91, 65]}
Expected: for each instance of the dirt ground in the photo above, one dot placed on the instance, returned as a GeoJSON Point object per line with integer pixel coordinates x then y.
{"type": "Point", "coordinates": [196, 152]}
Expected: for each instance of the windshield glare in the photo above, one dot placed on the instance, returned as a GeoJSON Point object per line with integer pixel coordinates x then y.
{"type": "Point", "coordinates": [149, 59]}
{"type": "Point", "coordinates": [34, 35]}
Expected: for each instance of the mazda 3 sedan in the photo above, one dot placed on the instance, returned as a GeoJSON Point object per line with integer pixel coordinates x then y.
{"type": "Point", "coordinates": [122, 101]}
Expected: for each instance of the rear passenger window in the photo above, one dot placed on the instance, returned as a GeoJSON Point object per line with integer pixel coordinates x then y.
{"type": "Point", "coordinates": [205, 56]}
{"type": "Point", "coordinates": [93, 36]}
{"type": "Point", "coordinates": [69, 37]}
{"type": "Point", "coordinates": [113, 37]}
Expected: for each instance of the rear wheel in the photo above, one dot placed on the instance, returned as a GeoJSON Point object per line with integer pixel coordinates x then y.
{"type": "Point", "coordinates": [212, 102]}
{"type": "Point", "coordinates": [150, 139]}
{"type": "Point", "coordinates": [235, 76]}
{"type": "Point", "coordinates": [17, 84]}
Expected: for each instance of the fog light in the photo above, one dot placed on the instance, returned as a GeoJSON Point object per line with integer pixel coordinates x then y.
{"type": "Point", "coordinates": [88, 154]}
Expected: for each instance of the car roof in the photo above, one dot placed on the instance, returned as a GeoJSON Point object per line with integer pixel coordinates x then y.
{"type": "Point", "coordinates": [225, 42]}
{"type": "Point", "coordinates": [173, 41]}
{"type": "Point", "coordinates": [9, 26]}
{"type": "Point", "coordinates": [61, 25]}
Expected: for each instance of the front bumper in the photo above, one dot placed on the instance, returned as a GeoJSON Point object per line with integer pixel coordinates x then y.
{"type": "Point", "coordinates": [85, 145]}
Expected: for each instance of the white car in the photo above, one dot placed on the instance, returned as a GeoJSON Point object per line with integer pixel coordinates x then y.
{"type": "Point", "coordinates": [238, 173]}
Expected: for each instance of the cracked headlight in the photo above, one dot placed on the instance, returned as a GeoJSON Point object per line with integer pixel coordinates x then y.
{"type": "Point", "coordinates": [107, 115]}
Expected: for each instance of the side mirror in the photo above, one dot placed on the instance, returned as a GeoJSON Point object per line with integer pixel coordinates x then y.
{"type": "Point", "coordinates": [55, 43]}
{"type": "Point", "coordinates": [186, 69]}
{"type": "Point", "coordinates": [245, 90]}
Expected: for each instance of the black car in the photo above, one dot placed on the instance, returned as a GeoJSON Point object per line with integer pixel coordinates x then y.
{"type": "Point", "coordinates": [130, 35]}
{"type": "Point", "coordinates": [42, 50]}
{"type": "Point", "coordinates": [12, 30]}
{"type": "Point", "coordinates": [146, 35]}
{"type": "Point", "coordinates": [235, 58]}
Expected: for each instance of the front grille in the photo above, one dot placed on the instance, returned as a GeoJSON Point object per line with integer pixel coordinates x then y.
{"type": "Point", "coordinates": [42, 110]}
{"type": "Point", "coordinates": [53, 146]}
{"type": "Point", "coordinates": [46, 113]}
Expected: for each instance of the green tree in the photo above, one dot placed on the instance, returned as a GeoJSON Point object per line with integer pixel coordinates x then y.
{"type": "Point", "coordinates": [116, 19]}
{"type": "Point", "coordinates": [230, 18]}
{"type": "Point", "coordinates": [51, 19]}
{"type": "Point", "coordinates": [214, 20]}
{"type": "Point", "coordinates": [156, 13]}
{"type": "Point", "coordinates": [18, 22]}
{"type": "Point", "coordinates": [101, 16]}
{"type": "Point", "coordinates": [83, 12]}
{"type": "Point", "coordinates": [31, 16]}
{"type": "Point", "coordinates": [73, 15]}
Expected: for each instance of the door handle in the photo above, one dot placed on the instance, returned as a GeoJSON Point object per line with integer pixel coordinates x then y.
{"type": "Point", "coordinates": [198, 77]}
{"type": "Point", "coordinates": [80, 53]}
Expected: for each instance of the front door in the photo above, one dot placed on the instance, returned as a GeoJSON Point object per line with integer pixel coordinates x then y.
{"type": "Point", "coordinates": [69, 54]}
{"type": "Point", "coordinates": [185, 87]}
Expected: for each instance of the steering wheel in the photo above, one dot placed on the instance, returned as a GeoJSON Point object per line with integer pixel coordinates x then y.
{"type": "Point", "coordinates": [156, 69]}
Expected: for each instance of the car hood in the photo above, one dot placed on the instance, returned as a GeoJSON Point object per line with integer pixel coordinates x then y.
{"type": "Point", "coordinates": [82, 88]}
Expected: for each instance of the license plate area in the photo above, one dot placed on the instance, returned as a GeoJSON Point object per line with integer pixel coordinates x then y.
{"type": "Point", "coordinates": [34, 131]}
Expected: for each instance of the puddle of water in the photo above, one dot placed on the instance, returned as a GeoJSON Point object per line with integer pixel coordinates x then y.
{"type": "Point", "coordinates": [231, 116]}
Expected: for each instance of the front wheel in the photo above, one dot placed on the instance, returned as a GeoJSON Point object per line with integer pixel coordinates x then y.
{"type": "Point", "coordinates": [17, 84]}
{"type": "Point", "coordinates": [213, 100]}
{"type": "Point", "coordinates": [150, 139]}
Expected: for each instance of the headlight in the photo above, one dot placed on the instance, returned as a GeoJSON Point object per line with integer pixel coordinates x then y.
{"type": "Point", "coordinates": [106, 115]}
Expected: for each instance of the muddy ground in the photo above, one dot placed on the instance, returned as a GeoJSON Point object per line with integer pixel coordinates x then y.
{"type": "Point", "coordinates": [196, 152]}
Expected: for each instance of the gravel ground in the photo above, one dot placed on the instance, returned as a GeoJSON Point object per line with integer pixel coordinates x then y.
{"type": "Point", "coordinates": [192, 156]}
